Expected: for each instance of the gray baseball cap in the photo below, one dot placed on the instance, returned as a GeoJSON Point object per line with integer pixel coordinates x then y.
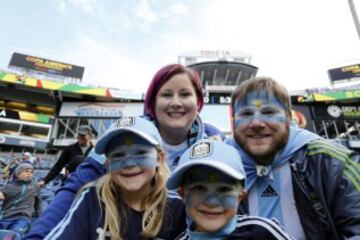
{"type": "Point", "coordinates": [210, 153]}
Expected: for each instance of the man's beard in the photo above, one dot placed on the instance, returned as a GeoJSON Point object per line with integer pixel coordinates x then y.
{"type": "Point", "coordinates": [268, 157]}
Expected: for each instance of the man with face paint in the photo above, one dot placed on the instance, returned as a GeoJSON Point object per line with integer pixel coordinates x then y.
{"type": "Point", "coordinates": [209, 179]}
{"type": "Point", "coordinates": [130, 201]}
{"type": "Point", "coordinates": [309, 184]}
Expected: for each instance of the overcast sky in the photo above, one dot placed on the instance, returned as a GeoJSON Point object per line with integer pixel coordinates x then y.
{"type": "Point", "coordinates": [122, 43]}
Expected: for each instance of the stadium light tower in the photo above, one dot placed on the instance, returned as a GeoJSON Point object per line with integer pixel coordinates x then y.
{"type": "Point", "coordinates": [355, 16]}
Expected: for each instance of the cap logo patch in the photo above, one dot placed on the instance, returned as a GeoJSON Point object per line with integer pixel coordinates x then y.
{"type": "Point", "coordinates": [201, 149]}
{"type": "Point", "coordinates": [125, 121]}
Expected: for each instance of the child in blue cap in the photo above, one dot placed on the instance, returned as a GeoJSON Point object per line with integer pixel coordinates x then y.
{"type": "Point", "coordinates": [210, 179]}
{"type": "Point", "coordinates": [131, 200]}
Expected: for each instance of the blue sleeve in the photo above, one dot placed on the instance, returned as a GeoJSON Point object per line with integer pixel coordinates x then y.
{"type": "Point", "coordinates": [86, 172]}
{"type": "Point", "coordinates": [77, 222]}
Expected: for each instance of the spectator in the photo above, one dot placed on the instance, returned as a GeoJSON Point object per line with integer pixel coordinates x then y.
{"type": "Point", "coordinates": [21, 200]}
{"type": "Point", "coordinates": [72, 155]}
{"type": "Point", "coordinates": [28, 158]}
{"type": "Point", "coordinates": [130, 201]}
{"type": "Point", "coordinates": [210, 180]}
{"type": "Point", "coordinates": [311, 185]}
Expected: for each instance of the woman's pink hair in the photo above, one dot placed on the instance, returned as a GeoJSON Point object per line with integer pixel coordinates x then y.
{"type": "Point", "coordinates": [162, 76]}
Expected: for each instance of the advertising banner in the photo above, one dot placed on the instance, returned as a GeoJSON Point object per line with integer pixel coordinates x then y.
{"type": "Point", "coordinates": [24, 116]}
{"type": "Point", "coordinates": [343, 73]}
{"type": "Point", "coordinates": [22, 142]}
{"type": "Point", "coordinates": [337, 111]}
{"type": "Point", "coordinates": [100, 109]}
{"type": "Point", "coordinates": [46, 65]}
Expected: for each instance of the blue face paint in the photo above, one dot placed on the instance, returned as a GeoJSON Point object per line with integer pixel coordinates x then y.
{"type": "Point", "coordinates": [259, 106]}
{"type": "Point", "coordinates": [131, 151]}
{"type": "Point", "coordinates": [204, 185]}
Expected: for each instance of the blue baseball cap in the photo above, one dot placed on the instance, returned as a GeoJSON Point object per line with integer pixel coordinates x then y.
{"type": "Point", "coordinates": [137, 125]}
{"type": "Point", "coordinates": [210, 153]}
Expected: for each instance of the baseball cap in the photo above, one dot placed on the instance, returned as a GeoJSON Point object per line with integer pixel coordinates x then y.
{"type": "Point", "coordinates": [210, 153]}
{"type": "Point", "coordinates": [137, 125]}
{"type": "Point", "coordinates": [84, 129]}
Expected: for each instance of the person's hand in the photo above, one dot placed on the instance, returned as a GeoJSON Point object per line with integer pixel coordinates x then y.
{"type": "Point", "coordinates": [41, 183]}
{"type": "Point", "coordinates": [2, 197]}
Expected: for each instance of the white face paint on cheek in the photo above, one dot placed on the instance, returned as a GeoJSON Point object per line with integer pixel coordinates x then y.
{"type": "Point", "coordinates": [131, 156]}
{"type": "Point", "coordinates": [211, 194]}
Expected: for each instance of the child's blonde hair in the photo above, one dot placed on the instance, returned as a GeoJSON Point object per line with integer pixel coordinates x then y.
{"type": "Point", "coordinates": [155, 201]}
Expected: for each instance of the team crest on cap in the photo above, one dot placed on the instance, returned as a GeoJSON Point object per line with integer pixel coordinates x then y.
{"type": "Point", "coordinates": [201, 149]}
{"type": "Point", "coordinates": [125, 121]}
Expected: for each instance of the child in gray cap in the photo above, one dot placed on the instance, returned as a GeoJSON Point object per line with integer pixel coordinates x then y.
{"type": "Point", "coordinates": [21, 199]}
{"type": "Point", "coordinates": [210, 179]}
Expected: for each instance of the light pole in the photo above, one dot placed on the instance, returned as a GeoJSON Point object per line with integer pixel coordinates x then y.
{"type": "Point", "coordinates": [355, 17]}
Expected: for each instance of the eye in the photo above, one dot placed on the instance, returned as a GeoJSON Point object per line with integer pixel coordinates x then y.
{"type": "Point", "coordinates": [118, 155]}
{"type": "Point", "coordinates": [140, 152]}
{"type": "Point", "coordinates": [198, 188]}
{"type": "Point", "coordinates": [166, 94]}
{"type": "Point", "coordinates": [224, 189]}
{"type": "Point", "coordinates": [246, 113]}
{"type": "Point", "coordinates": [269, 111]}
{"type": "Point", "coordinates": [186, 94]}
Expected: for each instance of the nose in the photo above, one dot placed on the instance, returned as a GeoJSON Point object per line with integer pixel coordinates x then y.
{"type": "Point", "coordinates": [176, 101]}
{"type": "Point", "coordinates": [257, 121]}
{"type": "Point", "coordinates": [211, 200]}
{"type": "Point", "coordinates": [128, 163]}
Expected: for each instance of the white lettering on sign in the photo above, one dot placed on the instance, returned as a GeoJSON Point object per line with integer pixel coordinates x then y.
{"type": "Point", "coordinates": [3, 113]}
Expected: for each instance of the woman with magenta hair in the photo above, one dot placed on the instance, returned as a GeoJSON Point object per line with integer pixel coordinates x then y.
{"type": "Point", "coordinates": [173, 101]}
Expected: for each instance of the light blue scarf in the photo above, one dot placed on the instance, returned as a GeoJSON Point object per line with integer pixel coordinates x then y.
{"type": "Point", "coordinates": [218, 235]}
{"type": "Point", "coordinates": [297, 139]}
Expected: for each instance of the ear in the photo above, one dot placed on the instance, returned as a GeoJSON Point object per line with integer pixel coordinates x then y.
{"type": "Point", "coordinates": [181, 192]}
{"type": "Point", "coordinates": [106, 163]}
{"type": "Point", "coordinates": [242, 195]}
{"type": "Point", "coordinates": [161, 157]}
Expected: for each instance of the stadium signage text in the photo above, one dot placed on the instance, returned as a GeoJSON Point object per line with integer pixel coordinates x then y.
{"type": "Point", "coordinates": [353, 94]}
{"type": "Point", "coordinates": [98, 112]}
{"type": "Point", "coordinates": [337, 111]}
{"type": "Point", "coordinates": [46, 65]}
{"type": "Point", "coordinates": [98, 109]}
{"type": "Point", "coordinates": [346, 72]}
{"type": "Point", "coordinates": [217, 98]}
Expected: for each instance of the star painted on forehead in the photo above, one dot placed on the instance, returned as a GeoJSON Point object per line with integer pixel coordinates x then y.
{"type": "Point", "coordinates": [258, 103]}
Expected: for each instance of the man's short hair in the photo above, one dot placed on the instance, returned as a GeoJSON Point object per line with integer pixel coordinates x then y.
{"type": "Point", "coordinates": [262, 84]}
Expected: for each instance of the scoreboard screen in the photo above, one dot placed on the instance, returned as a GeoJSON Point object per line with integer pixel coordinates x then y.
{"type": "Point", "coordinates": [217, 98]}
